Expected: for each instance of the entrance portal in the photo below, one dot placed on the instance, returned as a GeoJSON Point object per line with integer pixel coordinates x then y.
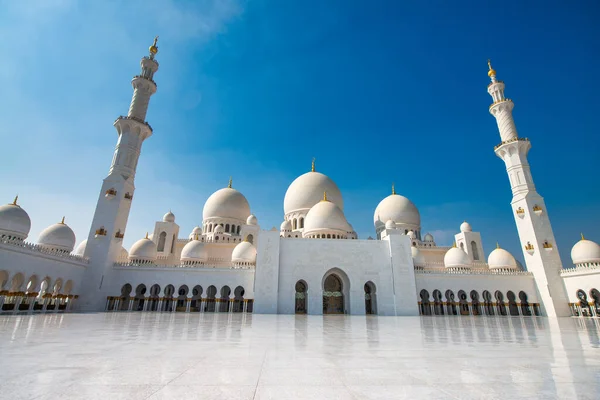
{"type": "Point", "coordinates": [300, 297]}
{"type": "Point", "coordinates": [370, 298]}
{"type": "Point", "coordinates": [333, 298]}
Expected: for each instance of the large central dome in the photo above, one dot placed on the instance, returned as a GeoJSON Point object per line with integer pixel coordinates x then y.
{"type": "Point", "coordinates": [226, 203]}
{"type": "Point", "coordinates": [398, 209]}
{"type": "Point", "coordinates": [307, 190]}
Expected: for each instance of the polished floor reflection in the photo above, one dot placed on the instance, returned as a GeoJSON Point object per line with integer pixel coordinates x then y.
{"type": "Point", "coordinates": [245, 356]}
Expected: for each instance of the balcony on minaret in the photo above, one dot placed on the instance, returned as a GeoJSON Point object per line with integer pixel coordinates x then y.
{"type": "Point", "coordinates": [547, 246]}
{"type": "Point", "coordinates": [110, 193]}
{"type": "Point", "coordinates": [529, 248]}
{"type": "Point", "coordinates": [128, 196]}
{"type": "Point", "coordinates": [119, 235]}
{"type": "Point", "coordinates": [100, 232]}
{"type": "Point", "coordinates": [537, 210]}
{"type": "Point", "coordinates": [520, 212]}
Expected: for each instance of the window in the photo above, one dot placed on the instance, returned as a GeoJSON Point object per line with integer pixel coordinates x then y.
{"type": "Point", "coordinates": [474, 250]}
{"type": "Point", "coordinates": [162, 238]}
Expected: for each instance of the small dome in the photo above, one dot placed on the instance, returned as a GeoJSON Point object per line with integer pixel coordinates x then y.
{"type": "Point", "coordinates": [389, 224]}
{"type": "Point", "coordinates": [307, 190]}
{"type": "Point", "coordinates": [417, 256]}
{"type": "Point", "coordinates": [428, 237]}
{"type": "Point", "coordinates": [143, 250]}
{"type": "Point", "coordinates": [58, 237]}
{"type": "Point", "coordinates": [286, 226]}
{"type": "Point", "coordinates": [169, 217]}
{"type": "Point", "coordinates": [397, 208]}
{"type": "Point", "coordinates": [252, 220]}
{"type": "Point", "coordinates": [14, 221]}
{"type": "Point", "coordinates": [585, 251]}
{"type": "Point", "coordinates": [245, 252]}
{"type": "Point", "coordinates": [196, 231]}
{"type": "Point", "coordinates": [219, 229]}
{"type": "Point", "coordinates": [194, 251]}
{"type": "Point", "coordinates": [501, 259]}
{"type": "Point", "coordinates": [465, 227]}
{"type": "Point", "coordinates": [411, 234]}
{"type": "Point", "coordinates": [80, 250]}
{"type": "Point", "coordinates": [325, 215]}
{"type": "Point", "coordinates": [226, 203]}
{"type": "Point", "coordinates": [456, 258]}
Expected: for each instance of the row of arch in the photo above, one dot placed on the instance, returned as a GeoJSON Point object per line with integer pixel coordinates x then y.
{"type": "Point", "coordinates": [20, 294]}
{"type": "Point", "coordinates": [234, 229]}
{"type": "Point", "coordinates": [182, 300]}
{"type": "Point", "coordinates": [471, 304]}
{"type": "Point", "coordinates": [584, 307]}
{"type": "Point", "coordinates": [334, 296]}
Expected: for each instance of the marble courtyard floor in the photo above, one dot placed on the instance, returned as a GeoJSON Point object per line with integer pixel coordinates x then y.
{"type": "Point", "coordinates": [235, 356]}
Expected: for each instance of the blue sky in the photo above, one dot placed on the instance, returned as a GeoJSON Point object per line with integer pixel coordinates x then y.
{"type": "Point", "coordinates": [377, 91]}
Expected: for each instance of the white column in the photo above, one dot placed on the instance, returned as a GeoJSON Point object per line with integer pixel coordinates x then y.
{"type": "Point", "coordinates": [56, 304]}
{"type": "Point", "coordinates": [202, 303]}
{"type": "Point", "coordinates": [1, 302]}
{"type": "Point", "coordinates": [217, 304]}
{"type": "Point", "coordinates": [230, 303]}
{"type": "Point", "coordinates": [131, 300]}
{"type": "Point", "coordinates": [188, 305]}
{"type": "Point", "coordinates": [45, 305]}
{"type": "Point", "coordinates": [17, 303]}
{"type": "Point", "coordinates": [116, 304]}
{"type": "Point", "coordinates": [245, 309]}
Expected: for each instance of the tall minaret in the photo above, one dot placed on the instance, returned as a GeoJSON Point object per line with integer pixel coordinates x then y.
{"type": "Point", "coordinates": [114, 202]}
{"type": "Point", "coordinates": [531, 216]}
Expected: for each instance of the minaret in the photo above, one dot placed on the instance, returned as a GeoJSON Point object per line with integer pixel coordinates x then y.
{"type": "Point", "coordinates": [531, 216]}
{"type": "Point", "coordinates": [114, 202]}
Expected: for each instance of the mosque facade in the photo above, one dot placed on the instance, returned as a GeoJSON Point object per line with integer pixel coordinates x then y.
{"type": "Point", "coordinates": [313, 264]}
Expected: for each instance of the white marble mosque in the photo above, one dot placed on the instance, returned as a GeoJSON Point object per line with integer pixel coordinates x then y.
{"type": "Point", "coordinates": [314, 264]}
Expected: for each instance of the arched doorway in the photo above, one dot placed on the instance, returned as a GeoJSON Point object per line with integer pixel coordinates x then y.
{"type": "Point", "coordinates": [182, 298]}
{"type": "Point", "coordinates": [487, 303]}
{"type": "Point", "coordinates": [583, 303]}
{"type": "Point", "coordinates": [451, 303]}
{"type": "Point", "coordinates": [211, 293]}
{"type": "Point", "coordinates": [500, 303]}
{"type": "Point", "coordinates": [463, 303]}
{"type": "Point", "coordinates": [333, 297]}
{"type": "Point", "coordinates": [196, 298]}
{"type": "Point", "coordinates": [153, 298]}
{"type": "Point", "coordinates": [475, 302]}
{"type": "Point", "coordinates": [238, 301]}
{"type": "Point", "coordinates": [224, 301]}
{"type": "Point", "coordinates": [525, 309]}
{"type": "Point", "coordinates": [301, 289]}
{"type": "Point", "coordinates": [513, 308]}
{"type": "Point", "coordinates": [595, 294]}
{"type": "Point", "coordinates": [138, 303]}
{"type": "Point", "coordinates": [438, 307]}
{"type": "Point", "coordinates": [125, 292]}
{"type": "Point", "coordinates": [370, 298]}
{"type": "Point", "coordinates": [425, 304]}
{"type": "Point", "coordinates": [168, 298]}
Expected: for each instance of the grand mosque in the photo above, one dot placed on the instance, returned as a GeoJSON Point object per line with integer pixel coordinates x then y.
{"type": "Point", "coordinates": [314, 264]}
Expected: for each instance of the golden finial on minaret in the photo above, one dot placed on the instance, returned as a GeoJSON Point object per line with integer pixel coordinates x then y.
{"type": "Point", "coordinates": [582, 237]}
{"type": "Point", "coordinates": [14, 203]}
{"type": "Point", "coordinates": [312, 168]}
{"type": "Point", "coordinates": [393, 188]}
{"type": "Point", "coordinates": [230, 182]}
{"type": "Point", "coordinates": [325, 196]}
{"type": "Point", "coordinates": [491, 71]}
{"type": "Point", "coordinates": [146, 235]}
{"type": "Point", "coordinates": [154, 48]}
{"type": "Point", "coordinates": [62, 221]}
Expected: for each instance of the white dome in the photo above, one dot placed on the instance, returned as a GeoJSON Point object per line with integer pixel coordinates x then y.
{"type": "Point", "coordinates": [245, 252]}
{"type": "Point", "coordinates": [226, 203]}
{"type": "Point", "coordinates": [397, 208]}
{"type": "Point", "coordinates": [219, 229]}
{"type": "Point", "coordinates": [252, 220]}
{"type": "Point", "coordinates": [585, 251]}
{"type": "Point", "coordinates": [58, 237]}
{"type": "Point", "coordinates": [500, 258]}
{"type": "Point", "coordinates": [389, 224]}
{"type": "Point", "coordinates": [456, 258]}
{"type": "Point", "coordinates": [307, 190]}
{"type": "Point", "coordinates": [325, 215]}
{"type": "Point", "coordinates": [411, 234]}
{"type": "Point", "coordinates": [196, 231]}
{"type": "Point", "coordinates": [428, 237]}
{"type": "Point", "coordinates": [194, 251]}
{"type": "Point", "coordinates": [14, 221]}
{"type": "Point", "coordinates": [286, 226]}
{"type": "Point", "coordinates": [143, 250]}
{"type": "Point", "coordinates": [169, 217]}
{"type": "Point", "coordinates": [80, 250]}
{"type": "Point", "coordinates": [465, 227]}
{"type": "Point", "coordinates": [417, 256]}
